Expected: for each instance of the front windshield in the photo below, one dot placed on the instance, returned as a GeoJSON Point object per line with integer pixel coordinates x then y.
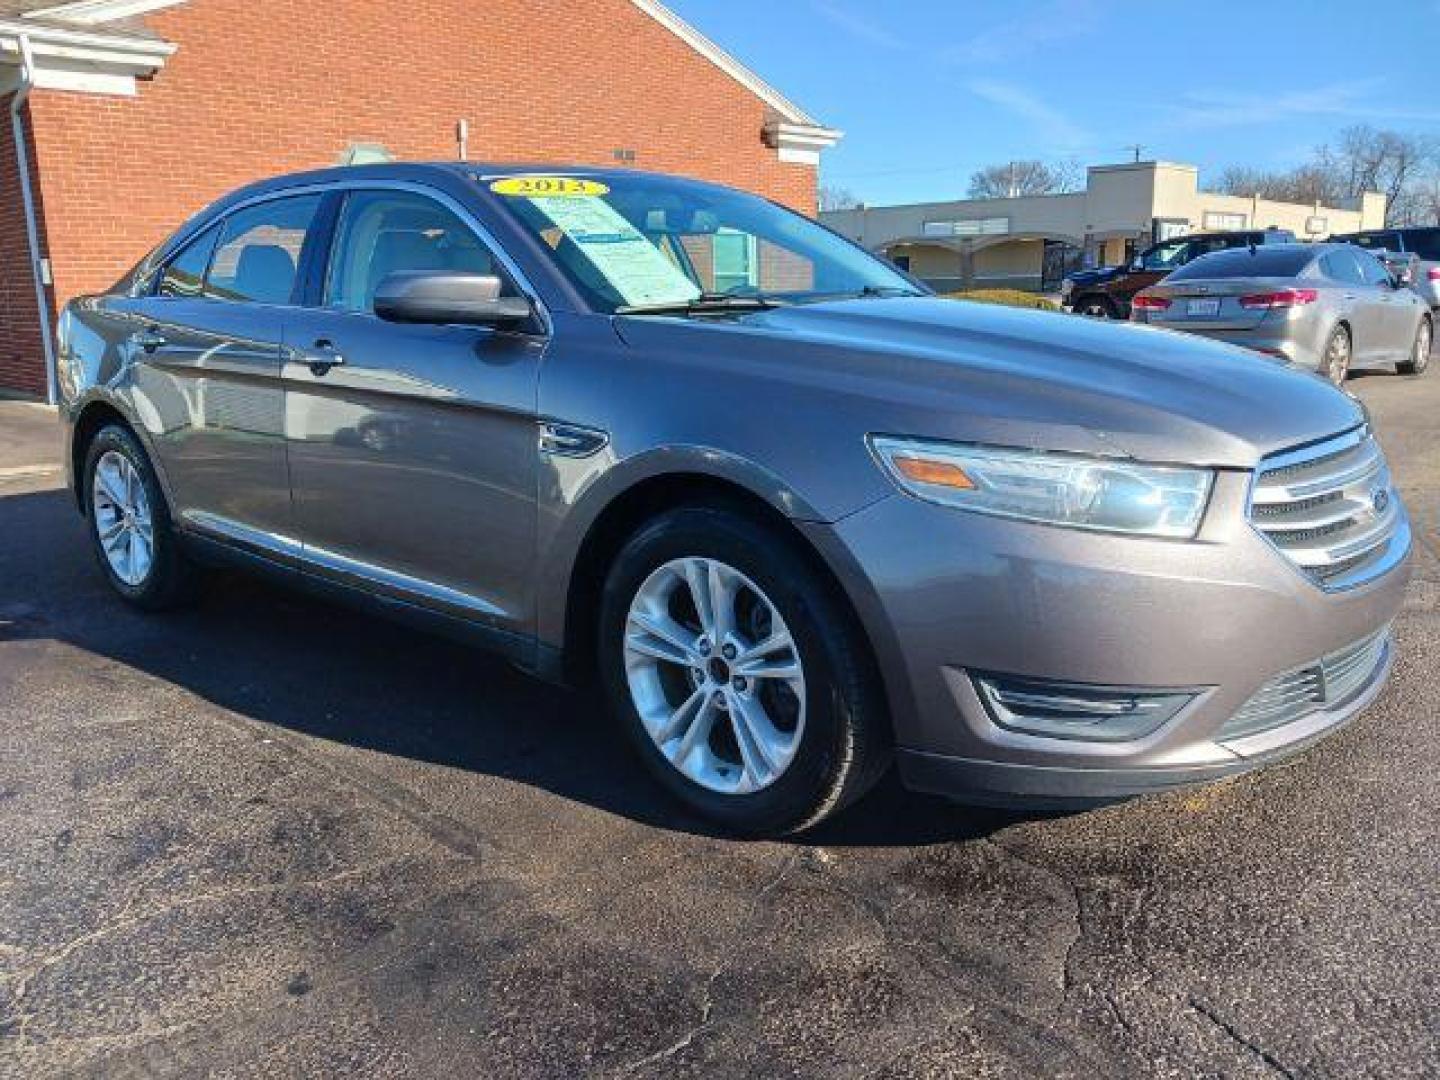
{"type": "Point", "coordinates": [638, 241]}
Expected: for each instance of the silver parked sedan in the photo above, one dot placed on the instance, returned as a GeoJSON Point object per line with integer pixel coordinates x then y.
{"type": "Point", "coordinates": [1331, 308]}
{"type": "Point", "coordinates": [794, 517]}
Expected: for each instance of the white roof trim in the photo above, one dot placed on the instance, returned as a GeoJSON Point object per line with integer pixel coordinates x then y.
{"type": "Point", "coordinates": [81, 49]}
{"type": "Point", "coordinates": [727, 63]}
{"type": "Point", "coordinates": [89, 12]}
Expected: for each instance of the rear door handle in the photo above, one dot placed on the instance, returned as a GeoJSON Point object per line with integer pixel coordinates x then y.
{"type": "Point", "coordinates": [148, 339]}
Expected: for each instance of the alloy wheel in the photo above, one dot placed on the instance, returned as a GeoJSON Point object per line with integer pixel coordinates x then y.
{"type": "Point", "coordinates": [1337, 357]}
{"type": "Point", "coordinates": [1420, 359]}
{"type": "Point", "coordinates": [715, 675]}
{"type": "Point", "coordinates": [122, 519]}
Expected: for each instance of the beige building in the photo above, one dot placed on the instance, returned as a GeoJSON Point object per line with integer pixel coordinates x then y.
{"type": "Point", "coordinates": [1030, 242]}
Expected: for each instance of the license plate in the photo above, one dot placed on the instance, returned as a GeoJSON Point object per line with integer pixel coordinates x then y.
{"type": "Point", "coordinates": [1203, 307]}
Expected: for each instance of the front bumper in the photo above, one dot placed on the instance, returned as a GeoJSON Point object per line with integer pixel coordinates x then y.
{"type": "Point", "coordinates": [946, 595]}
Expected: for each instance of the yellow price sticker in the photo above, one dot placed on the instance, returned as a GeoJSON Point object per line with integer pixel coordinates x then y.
{"type": "Point", "coordinates": [548, 187]}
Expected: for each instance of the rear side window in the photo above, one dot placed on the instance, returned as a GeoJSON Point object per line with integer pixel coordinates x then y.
{"type": "Point", "coordinates": [1204, 245]}
{"type": "Point", "coordinates": [1268, 261]}
{"type": "Point", "coordinates": [184, 277]}
{"type": "Point", "coordinates": [258, 257]}
{"type": "Point", "coordinates": [1389, 241]}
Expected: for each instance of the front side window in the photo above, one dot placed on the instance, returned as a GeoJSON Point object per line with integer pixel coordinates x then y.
{"type": "Point", "coordinates": [184, 277]}
{"type": "Point", "coordinates": [391, 232]}
{"type": "Point", "coordinates": [648, 241]}
{"type": "Point", "coordinates": [1377, 241]}
{"type": "Point", "coordinates": [258, 257]}
{"type": "Point", "coordinates": [1373, 269]}
{"type": "Point", "coordinates": [1341, 266]}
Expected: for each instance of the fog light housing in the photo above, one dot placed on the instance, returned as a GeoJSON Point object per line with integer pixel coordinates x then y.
{"type": "Point", "coordinates": [1078, 710]}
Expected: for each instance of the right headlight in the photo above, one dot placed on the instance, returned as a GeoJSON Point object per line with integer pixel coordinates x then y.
{"type": "Point", "coordinates": [1105, 494]}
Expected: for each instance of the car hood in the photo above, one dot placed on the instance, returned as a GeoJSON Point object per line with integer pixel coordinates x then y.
{"type": "Point", "coordinates": [1093, 277]}
{"type": "Point", "coordinates": [984, 373]}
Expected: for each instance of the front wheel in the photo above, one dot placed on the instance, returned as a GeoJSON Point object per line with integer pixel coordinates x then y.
{"type": "Point", "coordinates": [1095, 307]}
{"type": "Point", "coordinates": [742, 680]}
{"type": "Point", "coordinates": [130, 524]}
{"type": "Point", "coordinates": [1420, 351]}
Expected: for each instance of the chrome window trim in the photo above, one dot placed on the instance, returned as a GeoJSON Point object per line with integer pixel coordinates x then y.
{"type": "Point", "coordinates": [310, 558]}
{"type": "Point", "coordinates": [467, 217]}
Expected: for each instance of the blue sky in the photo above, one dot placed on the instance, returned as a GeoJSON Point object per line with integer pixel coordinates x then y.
{"type": "Point", "coordinates": [928, 91]}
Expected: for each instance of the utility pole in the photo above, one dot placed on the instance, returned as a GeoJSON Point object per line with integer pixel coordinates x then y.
{"type": "Point", "coordinates": [1013, 190]}
{"type": "Point", "coordinates": [1135, 148]}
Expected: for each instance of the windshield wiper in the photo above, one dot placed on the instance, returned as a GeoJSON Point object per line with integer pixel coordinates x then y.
{"type": "Point", "coordinates": [704, 304]}
{"type": "Point", "coordinates": [863, 293]}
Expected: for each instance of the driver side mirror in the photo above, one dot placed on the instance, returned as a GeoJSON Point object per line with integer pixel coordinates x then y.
{"type": "Point", "coordinates": [441, 297]}
{"type": "Point", "coordinates": [1402, 277]}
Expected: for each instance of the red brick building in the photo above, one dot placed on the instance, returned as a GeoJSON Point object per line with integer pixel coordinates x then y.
{"type": "Point", "coordinates": [136, 113]}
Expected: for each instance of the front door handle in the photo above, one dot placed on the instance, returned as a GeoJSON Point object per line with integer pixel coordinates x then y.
{"type": "Point", "coordinates": [321, 357]}
{"type": "Point", "coordinates": [148, 339]}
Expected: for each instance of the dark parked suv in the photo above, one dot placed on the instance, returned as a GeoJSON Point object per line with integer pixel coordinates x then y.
{"type": "Point", "coordinates": [1423, 243]}
{"type": "Point", "coordinates": [801, 518]}
{"type": "Point", "coordinates": [1106, 292]}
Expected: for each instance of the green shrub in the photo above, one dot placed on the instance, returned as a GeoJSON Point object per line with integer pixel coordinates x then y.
{"type": "Point", "coordinates": [1009, 297]}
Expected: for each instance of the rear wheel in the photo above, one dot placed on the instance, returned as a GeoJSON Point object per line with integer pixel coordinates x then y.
{"type": "Point", "coordinates": [130, 526]}
{"type": "Point", "coordinates": [1096, 307]}
{"type": "Point", "coordinates": [1336, 362]}
{"type": "Point", "coordinates": [742, 681]}
{"type": "Point", "coordinates": [1420, 352]}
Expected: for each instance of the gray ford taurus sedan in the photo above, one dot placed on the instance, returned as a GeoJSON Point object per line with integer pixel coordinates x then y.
{"type": "Point", "coordinates": [800, 518]}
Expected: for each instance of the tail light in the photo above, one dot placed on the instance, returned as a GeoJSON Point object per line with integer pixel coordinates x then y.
{"type": "Point", "coordinates": [1149, 303]}
{"type": "Point", "coordinates": [1433, 273]}
{"type": "Point", "coordinates": [1284, 298]}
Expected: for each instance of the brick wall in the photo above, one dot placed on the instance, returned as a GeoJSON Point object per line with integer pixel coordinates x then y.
{"type": "Point", "coordinates": [21, 364]}
{"type": "Point", "coordinates": [261, 88]}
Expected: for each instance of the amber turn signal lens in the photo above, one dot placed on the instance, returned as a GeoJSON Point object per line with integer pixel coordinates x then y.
{"type": "Point", "coordinates": [928, 471]}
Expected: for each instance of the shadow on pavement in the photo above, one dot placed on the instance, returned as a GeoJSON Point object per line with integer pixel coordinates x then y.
{"type": "Point", "coordinates": [283, 659]}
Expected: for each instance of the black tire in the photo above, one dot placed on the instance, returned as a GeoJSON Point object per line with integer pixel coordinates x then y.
{"type": "Point", "coordinates": [171, 579]}
{"type": "Point", "coordinates": [1095, 306]}
{"type": "Point", "coordinates": [1420, 351]}
{"type": "Point", "coordinates": [1335, 361]}
{"type": "Point", "coordinates": [844, 747]}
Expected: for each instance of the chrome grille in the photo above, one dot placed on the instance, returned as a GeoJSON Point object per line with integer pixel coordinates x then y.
{"type": "Point", "coordinates": [1331, 509]}
{"type": "Point", "coordinates": [1329, 681]}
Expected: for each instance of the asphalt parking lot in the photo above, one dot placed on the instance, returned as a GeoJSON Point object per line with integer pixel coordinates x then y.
{"type": "Point", "coordinates": [267, 836]}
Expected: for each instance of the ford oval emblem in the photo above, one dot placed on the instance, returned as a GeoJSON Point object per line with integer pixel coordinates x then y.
{"type": "Point", "coordinates": [1380, 499]}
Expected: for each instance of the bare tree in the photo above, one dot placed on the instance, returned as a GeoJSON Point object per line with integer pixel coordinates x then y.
{"type": "Point", "coordinates": [1383, 161]}
{"type": "Point", "coordinates": [1018, 178]}
{"type": "Point", "coordinates": [838, 198]}
{"type": "Point", "coordinates": [1404, 168]}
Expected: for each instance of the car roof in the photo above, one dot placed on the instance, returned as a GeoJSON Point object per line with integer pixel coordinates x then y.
{"type": "Point", "coordinates": [467, 170]}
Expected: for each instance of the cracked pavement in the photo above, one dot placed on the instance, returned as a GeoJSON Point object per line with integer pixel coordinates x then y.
{"type": "Point", "coordinates": [268, 836]}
